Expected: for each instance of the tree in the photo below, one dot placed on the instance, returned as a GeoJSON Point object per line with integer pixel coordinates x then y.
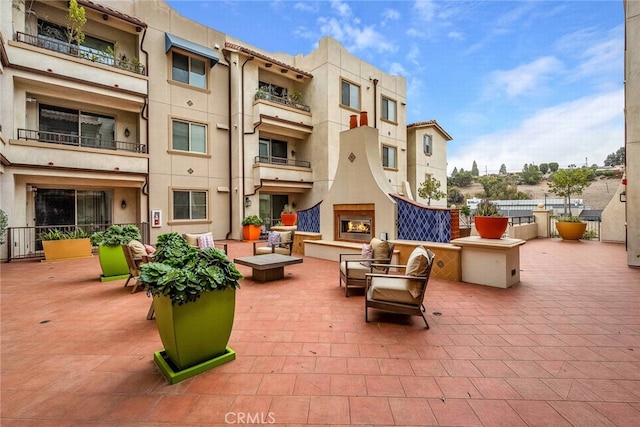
{"type": "Point", "coordinates": [553, 166]}
{"type": "Point", "coordinates": [544, 168]}
{"type": "Point", "coordinates": [531, 175]}
{"type": "Point", "coordinates": [76, 19]}
{"type": "Point", "coordinates": [474, 169]}
{"type": "Point", "coordinates": [617, 158]}
{"type": "Point", "coordinates": [461, 179]}
{"type": "Point", "coordinates": [501, 188]}
{"type": "Point", "coordinates": [503, 169]}
{"type": "Point", "coordinates": [454, 172]}
{"type": "Point", "coordinates": [454, 196]}
{"type": "Point", "coordinates": [430, 189]}
{"type": "Point", "coordinates": [567, 182]}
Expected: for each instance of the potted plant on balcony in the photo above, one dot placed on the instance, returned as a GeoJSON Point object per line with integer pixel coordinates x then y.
{"type": "Point", "coordinates": [570, 227]}
{"type": "Point", "coordinates": [112, 261]}
{"type": "Point", "coordinates": [490, 223]}
{"type": "Point", "coordinates": [194, 300]}
{"type": "Point", "coordinates": [251, 227]}
{"type": "Point", "coordinates": [565, 183]}
{"type": "Point", "coordinates": [288, 216]}
{"type": "Point", "coordinates": [59, 244]}
{"type": "Point", "coordinates": [4, 223]}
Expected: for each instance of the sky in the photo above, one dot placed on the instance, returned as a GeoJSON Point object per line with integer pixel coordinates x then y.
{"type": "Point", "coordinates": [513, 82]}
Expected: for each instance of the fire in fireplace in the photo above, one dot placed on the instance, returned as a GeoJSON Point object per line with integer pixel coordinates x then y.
{"type": "Point", "coordinates": [355, 228]}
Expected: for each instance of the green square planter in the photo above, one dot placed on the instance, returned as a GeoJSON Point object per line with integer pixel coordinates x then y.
{"type": "Point", "coordinates": [195, 332]}
{"type": "Point", "coordinates": [113, 263]}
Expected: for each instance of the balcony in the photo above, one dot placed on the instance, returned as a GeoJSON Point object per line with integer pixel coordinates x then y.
{"type": "Point", "coordinates": [82, 52]}
{"type": "Point", "coordinates": [280, 174]}
{"type": "Point", "coordinates": [286, 101]}
{"type": "Point", "coordinates": [282, 116]}
{"type": "Point", "coordinates": [77, 141]}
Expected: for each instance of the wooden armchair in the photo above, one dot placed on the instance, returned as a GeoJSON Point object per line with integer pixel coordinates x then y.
{"type": "Point", "coordinates": [353, 267]}
{"type": "Point", "coordinates": [203, 240]}
{"type": "Point", "coordinates": [401, 293]}
{"type": "Point", "coordinates": [278, 242]}
{"type": "Point", "coordinates": [133, 262]}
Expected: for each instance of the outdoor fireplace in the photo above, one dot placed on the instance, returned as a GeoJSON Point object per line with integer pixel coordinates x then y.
{"type": "Point", "coordinates": [354, 223]}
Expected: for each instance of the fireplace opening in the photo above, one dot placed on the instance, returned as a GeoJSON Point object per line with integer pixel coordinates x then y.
{"type": "Point", "coordinates": [354, 222]}
{"type": "Point", "coordinates": [355, 228]}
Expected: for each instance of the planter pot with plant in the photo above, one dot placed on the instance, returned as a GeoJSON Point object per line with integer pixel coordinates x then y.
{"type": "Point", "coordinates": [59, 244]}
{"type": "Point", "coordinates": [490, 223]}
{"type": "Point", "coordinates": [251, 227]}
{"type": "Point", "coordinates": [570, 227]}
{"type": "Point", "coordinates": [194, 300]}
{"type": "Point", "coordinates": [112, 261]}
{"type": "Point", "coordinates": [288, 216]}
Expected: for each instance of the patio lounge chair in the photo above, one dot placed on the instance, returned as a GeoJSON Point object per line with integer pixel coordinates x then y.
{"type": "Point", "coordinates": [278, 242]}
{"type": "Point", "coordinates": [204, 240]}
{"type": "Point", "coordinates": [401, 293]}
{"type": "Point", "coordinates": [133, 262]}
{"type": "Point", "coordinates": [353, 267]}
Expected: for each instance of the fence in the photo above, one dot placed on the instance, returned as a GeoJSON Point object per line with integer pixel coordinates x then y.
{"type": "Point", "coordinates": [24, 243]}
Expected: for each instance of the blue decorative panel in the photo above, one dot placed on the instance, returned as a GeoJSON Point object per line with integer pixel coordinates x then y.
{"type": "Point", "coordinates": [422, 223]}
{"type": "Point", "coordinates": [309, 219]}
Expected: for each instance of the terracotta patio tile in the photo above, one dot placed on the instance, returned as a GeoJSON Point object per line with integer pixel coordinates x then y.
{"type": "Point", "coordinates": [363, 366]}
{"type": "Point", "coordinates": [532, 389]}
{"type": "Point", "coordinates": [580, 413]}
{"type": "Point", "coordinates": [277, 384]}
{"type": "Point", "coordinates": [496, 413]}
{"type": "Point", "coordinates": [329, 410]}
{"type": "Point", "coordinates": [348, 385]}
{"type": "Point", "coordinates": [383, 385]}
{"type": "Point", "coordinates": [411, 412]}
{"type": "Point", "coordinates": [494, 388]}
{"type": "Point", "coordinates": [331, 365]}
{"type": "Point", "coordinates": [621, 414]}
{"type": "Point", "coordinates": [312, 385]}
{"type": "Point", "coordinates": [538, 413]}
{"type": "Point", "coordinates": [370, 410]}
{"type": "Point", "coordinates": [289, 410]}
{"type": "Point", "coordinates": [454, 412]}
{"type": "Point", "coordinates": [457, 388]}
{"type": "Point", "coordinates": [420, 387]}
{"type": "Point", "coordinates": [171, 408]}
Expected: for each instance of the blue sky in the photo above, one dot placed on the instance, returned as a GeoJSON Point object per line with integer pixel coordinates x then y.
{"type": "Point", "coordinates": [512, 82]}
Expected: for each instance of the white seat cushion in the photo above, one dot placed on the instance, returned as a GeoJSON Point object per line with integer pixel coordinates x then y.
{"type": "Point", "coordinates": [357, 270]}
{"type": "Point", "coordinates": [390, 289]}
{"type": "Point", "coordinates": [267, 250]}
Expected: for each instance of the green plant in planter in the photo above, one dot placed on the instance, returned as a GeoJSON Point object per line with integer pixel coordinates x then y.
{"type": "Point", "coordinates": [116, 235]}
{"type": "Point", "coordinates": [487, 208]}
{"type": "Point", "coordinates": [568, 218]}
{"type": "Point", "coordinates": [4, 222]}
{"type": "Point", "coordinates": [252, 220]}
{"type": "Point", "coordinates": [182, 272]}
{"type": "Point", "coordinates": [57, 234]}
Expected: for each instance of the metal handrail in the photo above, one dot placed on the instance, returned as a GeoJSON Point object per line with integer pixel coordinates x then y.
{"type": "Point", "coordinates": [80, 141]}
{"type": "Point", "coordinates": [282, 161]}
{"type": "Point", "coordinates": [282, 100]}
{"type": "Point", "coordinates": [74, 50]}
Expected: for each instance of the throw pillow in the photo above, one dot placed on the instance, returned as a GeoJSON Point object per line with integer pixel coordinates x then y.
{"type": "Point", "coordinates": [150, 249]}
{"type": "Point", "coordinates": [137, 249]}
{"type": "Point", "coordinates": [273, 239]}
{"type": "Point", "coordinates": [417, 266]}
{"type": "Point", "coordinates": [192, 239]}
{"type": "Point", "coordinates": [367, 253]}
{"type": "Point", "coordinates": [285, 236]}
{"type": "Point", "coordinates": [205, 241]}
{"type": "Point", "coordinates": [382, 250]}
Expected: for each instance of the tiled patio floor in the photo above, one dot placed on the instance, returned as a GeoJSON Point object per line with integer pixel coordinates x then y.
{"type": "Point", "coordinates": [561, 348]}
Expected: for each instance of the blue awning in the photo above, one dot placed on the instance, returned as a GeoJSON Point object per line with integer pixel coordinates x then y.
{"type": "Point", "coordinates": [170, 40]}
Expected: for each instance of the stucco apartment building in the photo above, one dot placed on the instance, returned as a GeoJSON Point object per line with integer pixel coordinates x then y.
{"type": "Point", "coordinates": [156, 118]}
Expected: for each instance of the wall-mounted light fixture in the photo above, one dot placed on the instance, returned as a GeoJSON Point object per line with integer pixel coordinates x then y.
{"type": "Point", "coordinates": [126, 132]}
{"type": "Point", "coordinates": [247, 201]}
{"type": "Point", "coordinates": [123, 204]}
{"type": "Point", "coordinates": [293, 153]}
{"type": "Point", "coordinates": [623, 196]}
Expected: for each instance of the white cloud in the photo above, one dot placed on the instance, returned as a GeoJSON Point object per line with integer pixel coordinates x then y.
{"type": "Point", "coordinates": [355, 37]}
{"type": "Point", "coordinates": [398, 69]}
{"type": "Point", "coordinates": [522, 79]}
{"type": "Point", "coordinates": [425, 10]}
{"type": "Point", "coordinates": [390, 15]}
{"type": "Point", "coordinates": [306, 6]}
{"type": "Point", "coordinates": [589, 127]}
{"type": "Point", "coordinates": [342, 8]}
{"type": "Point", "coordinates": [456, 35]}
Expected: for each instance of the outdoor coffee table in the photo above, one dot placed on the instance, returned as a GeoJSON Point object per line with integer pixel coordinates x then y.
{"type": "Point", "coordinates": [267, 267]}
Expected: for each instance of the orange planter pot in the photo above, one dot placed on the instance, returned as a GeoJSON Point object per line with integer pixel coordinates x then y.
{"type": "Point", "coordinates": [491, 227]}
{"type": "Point", "coordinates": [571, 230]}
{"type": "Point", "coordinates": [288, 219]}
{"type": "Point", "coordinates": [251, 232]}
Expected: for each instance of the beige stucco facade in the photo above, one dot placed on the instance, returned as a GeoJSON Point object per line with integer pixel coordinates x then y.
{"type": "Point", "coordinates": [257, 149]}
{"type": "Point", "coordinates": [632, 123]}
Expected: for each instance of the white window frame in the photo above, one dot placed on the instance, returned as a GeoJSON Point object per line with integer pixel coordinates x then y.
{"type": "Point", "coordinates": [190, 136]}
{"type": "Point", "coordinates": [385, 156]}
{"type": "Point", "coordinates": [352, 98]}
{"type": "Point", "coordinates": [191, 81]}
{"type": "Point", "coordinates": [386, 102]}
{"type": "Point", "coordinates": [427, 144]}
{"type": "Point", "coordinates": [192, 207]}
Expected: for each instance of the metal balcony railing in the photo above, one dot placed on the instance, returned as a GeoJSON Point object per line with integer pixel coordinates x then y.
{"type": "Point", "coordinates": [80, 141]}
{"type": "Point", "coordinates": [81, 52]}
{"type": "Point", "coordinates": [24, 243]}
{"type": "Point", "coordinates": [282, 100]}
{"type": "Point", "coordinates": [282, 161]}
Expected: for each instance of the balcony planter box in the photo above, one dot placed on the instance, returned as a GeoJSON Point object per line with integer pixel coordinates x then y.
{"type": "Point", "coordinates": [56, 250]}
{"type": "Point", "coordinates": [571, 230]}
{"type": "Point", "coordinates": [288, 219]}
{"type": "Point", "coordinates": [113, 263]}
{"type": "Point", "coordinates": [251, 227]}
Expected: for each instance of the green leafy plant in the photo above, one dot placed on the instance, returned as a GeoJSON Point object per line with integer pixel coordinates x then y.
{"type": "Point", "coordinates": [288, 209]}
{"type": "Point", "coordinates": [568, 218]}
{"type": "Point", "coordinates": [76, 19]}
{"type": "Point", "coordinates": [116, 235]}
{"type": "Point", "coordinates": [4, 222]}
{"type": "Point", "coordinates": [57, 234]}
{"type": "Point", "coordinates": [183, 273]}
{"type": "Point", "coordinates": [487, 208]}
{"type": "Point", "coordinates": [430, 189]}
{"type": "Point", "coordinates": [252, 220]}
{"type": "Point", "coordinates": [567, 182]}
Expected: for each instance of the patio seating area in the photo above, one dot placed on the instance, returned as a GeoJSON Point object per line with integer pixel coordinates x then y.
{"type": "Point", "coordinates": [560, 348]}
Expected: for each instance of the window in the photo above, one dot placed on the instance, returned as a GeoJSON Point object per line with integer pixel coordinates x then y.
{"type": "Point", "coordinates": [389, 157]}
{"type": "Point", "coordinates": [188, 136]}
{"type": "Point", "coordinates": [350, 95]}
{"type": "Point", "coordinates": [75, 127]}
{"type": "Point", "coordinates": [72, 207]}
{"type": "Point", "coordinates": [427, 144]}
{"type": "Point", "coordinates": [189, 70]}
{"type": "Point", "coordinates": [272, 92]}
{"type": "Point", "coordinates": [273, 151]}
{"type": "Point", "coordinates": [189, 205]}
{"type": "Point", "coordinates": [389, 109]}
